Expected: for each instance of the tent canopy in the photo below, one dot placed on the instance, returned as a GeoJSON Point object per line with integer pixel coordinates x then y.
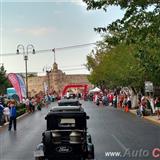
{"type": "Point", "coordinates": [96, 89]}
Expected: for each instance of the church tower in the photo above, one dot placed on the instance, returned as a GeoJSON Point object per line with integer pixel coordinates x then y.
{"type": "Point", "coordinates": [56, 76]}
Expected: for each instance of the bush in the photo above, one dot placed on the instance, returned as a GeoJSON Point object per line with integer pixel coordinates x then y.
{"type": "Point", "coordinates": [21, 109]}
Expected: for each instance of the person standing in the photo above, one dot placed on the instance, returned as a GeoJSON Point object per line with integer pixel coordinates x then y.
{"type": "Point", "coordinates": [27, 104]}
{"type": "Point", "coordinates": [157, 105]}
{"type": "Point", "coordinates": [13, 115]}
{"type": "Point", "coordinates": [143, 106]}
{"type": "Point", "coordinates": [68, 94]}
{"type": "Point", "coordinates": [6, 113]}
{"type": "Point", "coordinates": [1, 113]}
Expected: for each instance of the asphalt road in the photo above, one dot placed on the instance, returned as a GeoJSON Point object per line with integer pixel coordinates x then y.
{"type": "Point", "coordinates": [112, 130]}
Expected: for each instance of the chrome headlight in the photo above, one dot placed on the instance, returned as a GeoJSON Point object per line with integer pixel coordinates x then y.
{"type": "Point", "coordinates": [75, 137]}
{"type": "Point", "coordinates": [56, 138]}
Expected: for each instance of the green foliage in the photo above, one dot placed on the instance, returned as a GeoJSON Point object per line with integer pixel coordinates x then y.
{"type": "Point", "coordinates": [118, 67]}
{"type": "Point", "coordinates": [98, 4]}
{"type": "Point", "coordinates": [135, 37]}
{"type": "Point", "coordinates": [21, 109]}
{"type": "Point", "coordinates": [4, 83]}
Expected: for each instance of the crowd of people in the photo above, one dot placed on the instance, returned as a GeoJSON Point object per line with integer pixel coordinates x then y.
{"type": "Point", "coordinates": [8, 107]}
{"type": "Point", "coordinates": [10, 113]}
{"type": "Point", "coordinates": [147, 102]}
{"type": "Point", "coordinates": [146, 105]}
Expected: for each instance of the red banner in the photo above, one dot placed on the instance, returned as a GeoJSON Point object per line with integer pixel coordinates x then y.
{"type": "Point", "coordinates": [15, 83]}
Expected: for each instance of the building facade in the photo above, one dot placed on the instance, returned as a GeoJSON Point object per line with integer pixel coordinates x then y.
{"type": "Point", "coordinates": [54, 80]}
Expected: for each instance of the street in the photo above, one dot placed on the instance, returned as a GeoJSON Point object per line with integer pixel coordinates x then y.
{"type": "Point", "coordinates": [112, 130]}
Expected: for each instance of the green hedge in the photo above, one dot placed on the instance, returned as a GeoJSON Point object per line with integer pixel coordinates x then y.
{"type": "Point", "coordinates": [21, 109]}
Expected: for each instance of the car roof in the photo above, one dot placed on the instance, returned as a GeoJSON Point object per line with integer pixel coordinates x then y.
{"type": "Point", "coordinates": [68, 100]}
{"type": "Point", "coordinates": [66, 108]}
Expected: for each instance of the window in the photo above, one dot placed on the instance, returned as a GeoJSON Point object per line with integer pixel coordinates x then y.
{"type": "Point", "coordinates": [67, 122]}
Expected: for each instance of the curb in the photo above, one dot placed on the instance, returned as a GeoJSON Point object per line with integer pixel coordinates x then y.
{"type": "Point", "coordinates": [148, 118]}
{"type": "Point", "coordinates": [157, 122]}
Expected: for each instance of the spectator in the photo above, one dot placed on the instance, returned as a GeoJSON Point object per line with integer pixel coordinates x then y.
{"type": "Point", "coordinates": [105, 100]}
{"type": "Point", "coordinates": [143, 106]}
{"type": "Point", "coordinates": [129, 101]}
{"type": "Point", "coordinates": [115, 100]}
{"type": "Point", "coordinates": [157, 105]}
{"type": "Point", "coordinates": [6, 113]}
{"type": "Point", "coordinates": [47, 100]}
{"type": "Point", "coordinates": [27, 104]}
{"type": "Point", "coordinates": [68, 94]}
{"type": "Point", "coordinates": [125, 103]}
{"type": "Point", "coordinates": [13, 115]}
{"type": "Point", "coordinates": [33, 104]}
{"type": "Point", "coordinates": [1, 113]}
{"type": "Point", "coordinates": [110, 97]}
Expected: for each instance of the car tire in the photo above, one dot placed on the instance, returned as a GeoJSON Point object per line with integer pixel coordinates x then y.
{"type": "Point", "coordinates": [47, 137]}
{"type": "Point", "coordinates": [90, 148]}
{"type": "Point", "coordinates": [89, 139]}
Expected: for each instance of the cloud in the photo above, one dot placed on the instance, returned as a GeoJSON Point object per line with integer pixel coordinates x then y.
{"type": "Point", "coordinates": [37, 31]}
{"type": "Point", "coordinates": [78, 2]}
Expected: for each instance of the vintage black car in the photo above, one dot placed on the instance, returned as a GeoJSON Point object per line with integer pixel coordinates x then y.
{"type": "Point", "coordinates": [66, 137]}
{"type": "Point", "coordinates": [69, 102]}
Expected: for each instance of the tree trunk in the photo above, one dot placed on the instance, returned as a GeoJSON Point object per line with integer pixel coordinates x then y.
{"type": "Point", "coordinates": [134, 98]}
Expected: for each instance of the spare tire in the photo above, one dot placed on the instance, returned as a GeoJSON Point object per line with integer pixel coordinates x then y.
{"type": "Point", "coordinates": [47, 137]}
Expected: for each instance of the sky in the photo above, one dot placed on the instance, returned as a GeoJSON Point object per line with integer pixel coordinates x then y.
{"type": "Point", "coordinates": [47, 25]}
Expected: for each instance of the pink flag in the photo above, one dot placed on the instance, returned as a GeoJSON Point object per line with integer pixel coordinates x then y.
{"type": "Point", "coordinates": [15, 83]}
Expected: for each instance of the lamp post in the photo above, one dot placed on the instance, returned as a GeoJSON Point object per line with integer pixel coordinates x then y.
{"type": "Point", "coordinates": [25, 55]}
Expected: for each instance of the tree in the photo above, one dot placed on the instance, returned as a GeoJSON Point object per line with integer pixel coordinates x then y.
{"type": "Point", "coordinates": [139, 28]}
{"type": "Point", "coordinates": [117, 67]}
{"type": "Point", "coordinates": [4, 83]}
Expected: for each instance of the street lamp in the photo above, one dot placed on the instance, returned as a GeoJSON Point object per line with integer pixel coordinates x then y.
{"type": "Point", "coordinates": [29, 49]}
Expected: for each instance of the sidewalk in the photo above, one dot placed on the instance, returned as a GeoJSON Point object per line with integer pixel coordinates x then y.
{"type": "Point", "coordinates": [20, 117]}
{"type": "Point", "coordinates": [153, 119]}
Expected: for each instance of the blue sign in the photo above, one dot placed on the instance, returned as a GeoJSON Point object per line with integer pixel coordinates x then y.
{"type": "Point", "coordinates": [11, 91]}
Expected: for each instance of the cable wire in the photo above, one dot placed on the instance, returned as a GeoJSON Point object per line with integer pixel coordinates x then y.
{"type": "Point", "coordinates": [54, 49]}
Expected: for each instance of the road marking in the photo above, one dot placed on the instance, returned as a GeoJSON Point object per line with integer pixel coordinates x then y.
{"type": "Point", "coordinates": [119, 142]}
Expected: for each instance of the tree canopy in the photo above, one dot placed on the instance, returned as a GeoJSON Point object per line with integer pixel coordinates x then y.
{"type": "Point", "coordinates": [130, 45]}
{"type": "Point", "coordinates": [4, 83]}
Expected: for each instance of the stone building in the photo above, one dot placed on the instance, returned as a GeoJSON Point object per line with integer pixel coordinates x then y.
{"type": "Point", "coordinates": [55, 80]}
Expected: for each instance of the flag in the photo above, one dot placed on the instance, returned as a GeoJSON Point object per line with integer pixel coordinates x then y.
{"type": "Point", "coordinates": [22, 85]}
{"type": "Point", "coordinates": [15, 83]}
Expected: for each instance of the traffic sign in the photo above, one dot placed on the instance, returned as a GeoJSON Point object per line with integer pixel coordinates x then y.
{"type": "Point", "coordinates": [148, 86]}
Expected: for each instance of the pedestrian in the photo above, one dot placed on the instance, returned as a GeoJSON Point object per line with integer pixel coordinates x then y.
{"type": "Point", "coordinates": [68, 94]}
{"type": "Point", "coordinates": [110, 97]}
{"type": "Point", "coordinates": [1, 113]}
{"type": "Point", "coordinates": [13, 115]}
{"type": "Point", "coordinates": [143, 106]}
{"type": "Point", "coordinates": [115, 100]}
{"type": "Point", "coordinates": [27, 101]}
{"type": "Point", "coordinates": [129, 101]}
{"type": "Point", "coordinates": [46, 100]}
{"type": "Point", "coordinates": [33, 104]}
{"type": "Point", "coordinates": [105, 100]}
{"type": "Point", "coordinates": [124, 104]}
{"type": "Point", "coordinates": [157, 105]}
{"type": "Point", "coordinates": [6, 113]}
